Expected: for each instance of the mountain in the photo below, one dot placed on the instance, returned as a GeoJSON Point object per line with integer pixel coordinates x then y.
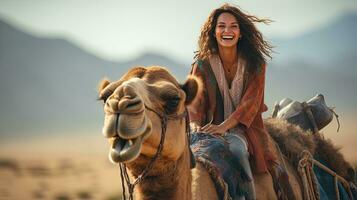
{"type": "Point", "coordinates": [49, 85]}
{"type": "Point", "coordinates": [301, 80]}
{"type": "Point", "coordinates": [330, 46]}
{"type": "Point", "coordinates": [319, 61]}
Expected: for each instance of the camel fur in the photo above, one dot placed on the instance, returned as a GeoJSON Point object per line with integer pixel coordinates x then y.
{"type": "Point", "coordinates": [128, 120]}
{"type": "Point", "coordinates": [292, 140]}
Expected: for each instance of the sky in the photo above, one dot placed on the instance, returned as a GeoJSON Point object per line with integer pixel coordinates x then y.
{"type": "Point", "coordinates": [119, 30]}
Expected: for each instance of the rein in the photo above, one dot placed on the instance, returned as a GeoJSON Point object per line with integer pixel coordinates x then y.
{"type": "Point", "coordinates": [123, 170]}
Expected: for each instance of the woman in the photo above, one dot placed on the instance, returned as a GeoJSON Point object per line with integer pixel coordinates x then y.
{"type": "Point", "coordinates": [231, 62]}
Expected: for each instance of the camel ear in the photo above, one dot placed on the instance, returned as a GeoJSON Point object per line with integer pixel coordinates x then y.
{"type": "Point", "coordinates": [102, 84]}
{"type": "Point", "coordinates": [193, 88]}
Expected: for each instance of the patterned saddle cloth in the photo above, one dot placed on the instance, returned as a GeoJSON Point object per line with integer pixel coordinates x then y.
{"type": "Point", "coordinates": [224, 168]}
{"type": "Point", "coordinates": [327, 187]}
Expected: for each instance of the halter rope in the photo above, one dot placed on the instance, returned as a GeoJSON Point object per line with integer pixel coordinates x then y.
{"type": "Point", "coordinates": [123, 170]}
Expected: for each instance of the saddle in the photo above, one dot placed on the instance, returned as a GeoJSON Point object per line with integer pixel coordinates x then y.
{"type": "Point", "coordinates": [226, 172]}
{"type": "Point", "coordinates": [312, 115]}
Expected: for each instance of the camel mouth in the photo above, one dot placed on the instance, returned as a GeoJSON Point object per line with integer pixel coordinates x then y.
{"type": "Point", "coordinates": [131, 126]}
{"type": "Point", "coordinates": [126, 150]}
{"type": "Point", "coordinates": [127, 126]}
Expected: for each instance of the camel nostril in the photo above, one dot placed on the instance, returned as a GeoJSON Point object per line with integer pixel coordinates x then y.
{"type": "Point", "coordinates": [131, 105]}
{"type": "Point", "coordinates": [113, 104]}
{"type": "Point", "coordinates": [134, 103]}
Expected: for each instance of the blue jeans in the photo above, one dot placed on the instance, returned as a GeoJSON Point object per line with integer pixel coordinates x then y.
{"type": "Point", "coordinates": [238, 146]}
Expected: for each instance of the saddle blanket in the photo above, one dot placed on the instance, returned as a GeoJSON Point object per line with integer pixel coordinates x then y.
{"type": "Point", "coordinates": [225, 170]}
{"type": "Point", "coordinates": [327, 187]}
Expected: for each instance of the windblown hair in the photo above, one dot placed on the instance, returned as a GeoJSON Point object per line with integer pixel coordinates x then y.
{"type": "Point", "coordinates": [252, 47]}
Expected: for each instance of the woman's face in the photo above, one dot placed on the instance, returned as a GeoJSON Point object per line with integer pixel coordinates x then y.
{"type": "Point", "coordinates": [227, 31]}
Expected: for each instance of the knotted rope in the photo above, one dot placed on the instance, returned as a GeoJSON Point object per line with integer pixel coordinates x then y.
{"type": "Point", "coordinates": [311, 191]}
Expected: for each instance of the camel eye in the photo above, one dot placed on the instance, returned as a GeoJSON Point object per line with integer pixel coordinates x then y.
{"type": "Point", "coordinates": [171, 104]}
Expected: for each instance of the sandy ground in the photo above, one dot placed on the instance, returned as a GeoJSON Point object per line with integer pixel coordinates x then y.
{"type": "Point", "coordinates": [69, 167]}
{"type": "Point", "coordinates": [59, 179]}
{"type": "Point", "coordinates": [42, 170]}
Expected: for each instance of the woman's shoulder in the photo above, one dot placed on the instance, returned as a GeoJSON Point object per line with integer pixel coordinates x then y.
{"type": "Point", "coordinates": [202, 67]}
{"type": "Point", "coordinates": [201, 64]}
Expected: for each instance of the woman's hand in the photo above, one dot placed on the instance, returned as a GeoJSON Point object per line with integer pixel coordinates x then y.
{"type": "Point", "coordinates": [214, 129]}
{"type": "Point", "coordinates": [195, 127]}
{"type": "Point", "coordinates": [222, 128]}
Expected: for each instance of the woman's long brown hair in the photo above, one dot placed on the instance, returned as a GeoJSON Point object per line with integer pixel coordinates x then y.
{"type": "Point", "coordinates": [252, 47]}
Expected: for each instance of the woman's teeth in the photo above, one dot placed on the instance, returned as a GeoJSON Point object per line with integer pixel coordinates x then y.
{"type": "Point", "coordinates": [227, 37]}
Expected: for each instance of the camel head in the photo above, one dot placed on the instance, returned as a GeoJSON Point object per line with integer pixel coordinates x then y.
{"type": "Point", "coordinates": [132, 107]}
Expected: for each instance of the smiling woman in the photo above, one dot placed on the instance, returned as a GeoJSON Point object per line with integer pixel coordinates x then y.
{"type": "Point", "coordinates": [231, 61]}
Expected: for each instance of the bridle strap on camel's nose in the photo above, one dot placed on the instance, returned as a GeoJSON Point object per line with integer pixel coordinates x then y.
{"type": "Point", "coordinates": [123, 171]}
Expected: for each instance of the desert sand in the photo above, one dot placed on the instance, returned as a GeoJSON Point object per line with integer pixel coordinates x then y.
{"type": "Point", "coordinates": [58, 168]}
{"type": "Point", "coordinates": [76, 166]}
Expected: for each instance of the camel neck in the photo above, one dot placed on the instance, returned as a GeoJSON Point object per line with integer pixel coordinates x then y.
{"type": "Point", "coordinates": [174, 181]}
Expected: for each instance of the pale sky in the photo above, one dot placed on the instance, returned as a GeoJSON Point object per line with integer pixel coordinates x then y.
{"type": "Point", "coordinates": [121, 29]}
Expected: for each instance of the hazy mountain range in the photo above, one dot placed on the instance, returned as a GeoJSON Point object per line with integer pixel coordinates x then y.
{"type": "Point", "coordinates": [330, 44]}
{"type": "Point", "coordinates": [48, 85]}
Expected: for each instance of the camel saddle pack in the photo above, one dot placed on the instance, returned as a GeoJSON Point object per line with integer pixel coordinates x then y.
{"type": "Point", "coordinates": [312, 115]}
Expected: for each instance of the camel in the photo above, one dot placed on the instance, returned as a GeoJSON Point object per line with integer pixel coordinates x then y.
{"type": "Point", "coordinates": [133, 128]}
{"type": "Point", "coordinates": [134, 106]}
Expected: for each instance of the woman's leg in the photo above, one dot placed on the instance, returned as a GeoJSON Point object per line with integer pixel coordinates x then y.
{"type": "Point", "coordinates": [239, 149]}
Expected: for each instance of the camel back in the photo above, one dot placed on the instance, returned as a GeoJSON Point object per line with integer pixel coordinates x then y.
{"type": "Point", "coordinates": [324, 172]}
